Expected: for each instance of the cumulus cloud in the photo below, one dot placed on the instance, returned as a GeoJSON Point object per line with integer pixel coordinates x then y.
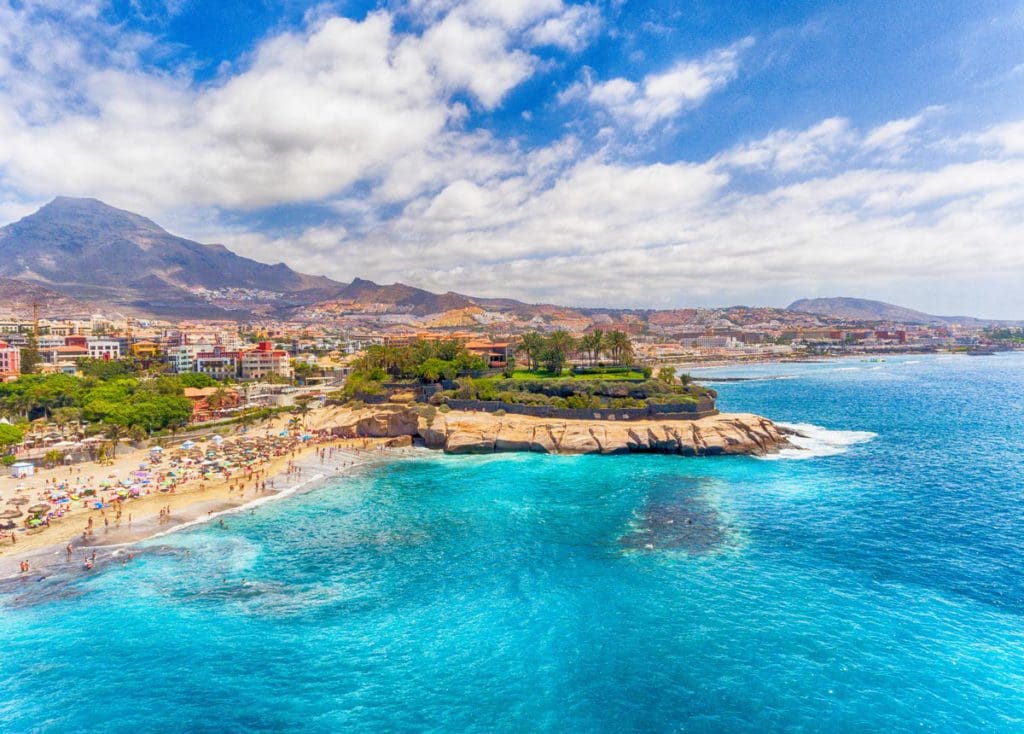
{"type": "Point", "coordinates": [664, 95]}
{"type": "Point", "coordinates": [600, 232]}
{"type": "Point", "coordinates": [311, 113]}
{"type": "Point", "coordinates": [378, 125]}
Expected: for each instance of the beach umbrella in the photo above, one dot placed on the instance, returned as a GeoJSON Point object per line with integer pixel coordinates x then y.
{"type": "Point", "coordinates": [36, 509]}
{"type": "Point", "coordinates": [188, 444]}
{"type": "Point", "coordinates": [19, 501]}
{"type": "Point", "coordinates": [8, 514]}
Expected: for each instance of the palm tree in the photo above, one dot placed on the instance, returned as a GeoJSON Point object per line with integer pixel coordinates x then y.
{"type": "Point", "coordinates": [532, 346]}
{"type": "Point", "coordinates": [217, 400]}
{"type": "Point", "coordinates": [302, 404]}
{"type": "Point", "coordinates": [593, 344]}
{"type": "Point", "coordinates": [621, 347]}
{"type": "Point", "coordinates": [560, 344]}
{"type": "Point", "coordinates": [114, 434]}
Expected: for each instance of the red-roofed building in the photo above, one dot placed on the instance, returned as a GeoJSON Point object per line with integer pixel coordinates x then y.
{"type": "Point", "coordinates": [265, 360]}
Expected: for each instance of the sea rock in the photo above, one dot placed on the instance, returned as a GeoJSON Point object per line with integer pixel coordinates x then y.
{"type": "Point", "coordinates": [458, 432]}
{"type": "Point", "coordinates": [475, 433]}
{"type": "Point", "coordinates": [379, 421]}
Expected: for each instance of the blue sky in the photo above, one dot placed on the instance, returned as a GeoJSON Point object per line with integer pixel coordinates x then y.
{"type": "Point", "coordinates": [616, 153]}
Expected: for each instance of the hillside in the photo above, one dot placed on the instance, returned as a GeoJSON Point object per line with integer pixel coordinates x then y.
{"type": "Point", "coordinates": [18, 296]}
{"type": "Point", "coordinates": [86, 249]}
{"type": "Point", "coordinates": [862, 309]}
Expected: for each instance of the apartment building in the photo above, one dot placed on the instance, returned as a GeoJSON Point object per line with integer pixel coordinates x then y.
{"type": "Point", "coordinates": [10, 362]}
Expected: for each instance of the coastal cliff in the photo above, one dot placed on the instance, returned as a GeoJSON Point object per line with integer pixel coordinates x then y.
{"type": "Point", "coordinates": [476, 433]}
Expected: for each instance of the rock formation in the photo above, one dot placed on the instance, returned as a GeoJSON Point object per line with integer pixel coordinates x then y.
{"type": "Point", "coordinates": [475, 433]}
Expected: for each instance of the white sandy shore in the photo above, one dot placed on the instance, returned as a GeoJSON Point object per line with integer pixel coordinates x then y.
{"type": "Point", "coordinates": [115, 545]}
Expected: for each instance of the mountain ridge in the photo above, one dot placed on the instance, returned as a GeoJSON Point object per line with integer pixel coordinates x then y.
{"type": "Point", "coordinates": [865, 309]}
{"type": "Point", "coordinates": [84, 254]}
{"type": "Point", "coordinates": [121, 257]}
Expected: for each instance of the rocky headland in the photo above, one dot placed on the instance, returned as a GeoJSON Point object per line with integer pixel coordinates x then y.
{"type": "Point", "coordinates": [458, 432]}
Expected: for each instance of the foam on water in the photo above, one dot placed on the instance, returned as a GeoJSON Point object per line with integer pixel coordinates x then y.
{"type": "Point", "coordinates": [811, 441]}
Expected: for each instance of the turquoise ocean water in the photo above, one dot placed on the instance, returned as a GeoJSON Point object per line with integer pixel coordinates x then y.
{"type": "Point", "coordinates": [875, 585]}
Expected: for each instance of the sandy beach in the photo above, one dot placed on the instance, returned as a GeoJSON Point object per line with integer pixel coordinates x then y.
{"type": "Point", "coordinates": [192, 501]}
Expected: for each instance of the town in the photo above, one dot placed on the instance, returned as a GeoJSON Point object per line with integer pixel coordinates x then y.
{"type": "Point", "coordinates": [233, 368]}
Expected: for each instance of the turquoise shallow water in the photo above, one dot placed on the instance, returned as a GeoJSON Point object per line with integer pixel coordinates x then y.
{"type": "Point", "coordinates": [875, 586]}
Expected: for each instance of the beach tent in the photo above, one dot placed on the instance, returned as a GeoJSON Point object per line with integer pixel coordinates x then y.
{"type": "Point", "coordinates": [217, 439]}
{"type": "Point", "coordinates": [188, 444]}
{"type": "Point", "coordinates": [21, 469]}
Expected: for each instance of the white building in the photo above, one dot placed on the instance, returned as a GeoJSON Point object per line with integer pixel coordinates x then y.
{"type": "Point", "coordinates": [183, 358]}
{"type": "Point", "coordinates": [104, 348]}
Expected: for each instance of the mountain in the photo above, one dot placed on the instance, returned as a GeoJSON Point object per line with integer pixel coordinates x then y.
{"type": "Point", "coordinates": [401, 298]}
{"type": "Point", "coordinates": [18, 296]}
{"type": "Point", "coordinates": [86, 249]}
{"type": "Point", "coordinates": [862, 309]}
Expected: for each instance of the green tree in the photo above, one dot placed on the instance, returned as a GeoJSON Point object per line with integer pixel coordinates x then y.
{"type": "Point", "coordinates": [218, 399]}
{"type": "Point", "coordinates": [667, 375]}
{"type": "Point", "coordinates": [532, 345]}
{"type": "Point", "coordinates": [593, 344]}
{"type": "Point", "coordinates": [106, 369]}
{"type": "Point", "coordinates": [52, 458]}
{"type": "Point", "coordinates": [302, 405]}
{"type": "Point", "coordinates": [557, 349]}
{"type": "Point", "coordinates": [10, 435]}
{"type": "Point", "coordinates": [114, 432]}
{"type": "Point", "coordinates": [196, 379]}
{"type": "Point", "coordinates": [620, 347]}
{"type": "Point", "coordinates": [65, 417]}
{"type": "Point", "coordinates": [30, 358]}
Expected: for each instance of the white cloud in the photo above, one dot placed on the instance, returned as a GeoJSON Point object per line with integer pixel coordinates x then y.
{"type": "Point", "coordinates": [476, 58]}
{"type": "Point", "coordinates": [1008, 136]}
{"type": "Point", "coordinates": [663, 96]}
{"type": "Point", "coordinates": [788, 150]}
{"type": "Point", "coordinates": [572, 29]}
{"type": "Point", "coordinates": [558, 229]}
{"type": "Point", "coordinates": [377, 125]}
{"type": "Point", "coordinates": [311, 113]}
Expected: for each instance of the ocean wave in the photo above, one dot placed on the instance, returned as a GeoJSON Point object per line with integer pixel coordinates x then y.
{"type": "Point", "coordinates": [812, 441]}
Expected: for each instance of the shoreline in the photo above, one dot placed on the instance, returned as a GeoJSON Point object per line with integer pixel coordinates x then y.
{"type": "Point", "coordinates": [191, 507]}
{"type": "Point", "coordinates": [349, 440]}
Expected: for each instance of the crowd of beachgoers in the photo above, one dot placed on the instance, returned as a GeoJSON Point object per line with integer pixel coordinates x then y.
{"type": "Point", "coordinates": [237, 461]}
{"type": "Point", "coordinates": [62, 515]}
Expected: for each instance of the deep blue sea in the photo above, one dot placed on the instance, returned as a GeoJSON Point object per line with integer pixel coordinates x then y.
{"type": "Point", "coordinates": [875, 585]}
